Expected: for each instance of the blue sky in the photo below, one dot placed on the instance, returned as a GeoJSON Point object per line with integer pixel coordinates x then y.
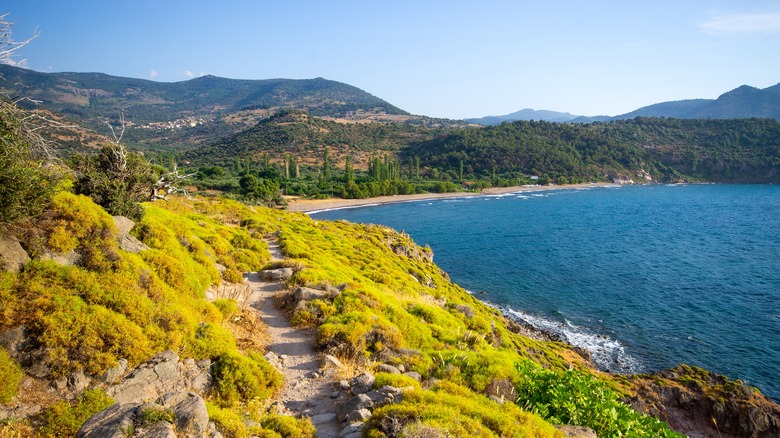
{"type": "Point", "coordinates": [450, 59]}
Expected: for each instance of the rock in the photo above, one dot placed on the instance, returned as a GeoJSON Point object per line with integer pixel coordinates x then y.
{"type": "Point", "coordinates": [15, 340]}
{"type": "Point", "coordinates": [323, 418]}
{"type": "Point", "coordinates": [113, 422]}
{"type": "Point", "coordinates": [70, 258]}
{"type": "Point", "coordinates": [160, 429]}
{"type": "Point", "coordinates": [149, 380]}
{"type": "Point", "coordinates": [125, 240]}
{"type": "Point", "coordinates": [343, 385]}
{"type": "Point", "coordinates": [414, 375]}
{"type": "Point", "coordinates": [112, 374]}
{"type": "Point", "coordinates": [577, 431]}
{"type": "Point", "coordinates": [351, 429]}
{"type": "Point", "coordinates": [360, 401]}
{"type": "Point", "coordinates": [308, 294]}
{"type": "Point", "coordinates": [390, 390]}
{"type": "Point", "coordinates": [381, 398]}
{"type": "Point", "coordinates": [77, 381]}
{"type": "Point", "coordinates": [353, 435]}
{"type": "Point", "coordinates": [387, 368]}
{"type": "Point", "coordinates": [496, 399]}
{"type": "Point", "coordinates": [335, 394]}
{"type": "Point", "coordinates": [362, 383]}
{"type": "Point", "coordinates": [280, 274]}
{"type": "Point", "coordinates": [12, 256]}
{"type": "Point", "coordinates": [359, 415]}
{"type": "Point", "coordinates": [38, 362]}
{"type": "Point", "coordinates": [401, 368]}
{"type": "Point", "coordinates": [191, 416]}
{"type": "Point", "coordinates": [332, 362]}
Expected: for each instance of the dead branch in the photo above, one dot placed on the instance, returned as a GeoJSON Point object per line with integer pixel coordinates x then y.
{"type": "Point", "coordinates": [168, 184]}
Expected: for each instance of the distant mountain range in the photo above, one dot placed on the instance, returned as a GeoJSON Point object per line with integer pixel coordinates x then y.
{"type": "Point", "coordinates": [741, 103]}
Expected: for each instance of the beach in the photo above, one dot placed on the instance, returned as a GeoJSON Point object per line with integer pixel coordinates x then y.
{"type": "Point", "coordinates": [313, 205]}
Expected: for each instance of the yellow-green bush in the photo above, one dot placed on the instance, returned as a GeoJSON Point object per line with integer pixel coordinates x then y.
{"type": "Point", "coordinates": [288, 427]}
{"type": "Point", "coordinates": [10, 376]}
{"type": "Point", "coordinates": [227, 307]}
{"type": "Point", "coordinates": [63, 419]}
{"type": "Point", "coordinates": [210, 341]}
{"type": "Point", "coordinates": [396, 380]}
{"type": "Point", "coordinates": [228, 421]}
{"type": "Point", "coordinates": [448, 411]}
{"type": "Point", "coordinates": [239, 378]}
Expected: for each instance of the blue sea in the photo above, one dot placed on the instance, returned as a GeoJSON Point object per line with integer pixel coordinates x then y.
{"type": "Point", "coordinates": [644, 277]}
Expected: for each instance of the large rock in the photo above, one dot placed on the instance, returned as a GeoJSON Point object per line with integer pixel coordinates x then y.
{"type": "Point", "coordinates": [307, 293]}
{"type": "Point", "coordinates": [12, 256]}
{"type": "Point", "coordinates": [362, 383]}
{"type": "Point", "coordinates": [114, 422]}
{"type": "Point", "coordinates": [191, 416]}
{"type": "Point", "coordinates": [125, 240]}
{"type": "Point", "coordinates": [160, 375]}
{"type": "Point", "coordinates": [280, 274]}
{"type": "Point", "coordinates": [577, 431]}
{"type": "Point", "coordinates": [356, 403]}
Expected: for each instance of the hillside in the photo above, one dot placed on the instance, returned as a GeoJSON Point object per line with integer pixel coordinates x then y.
{"type": "Point", "coordinates": [734, 150]}
{"type": "Point", "coordinates": [173, 114]}
{"type": "Point", "coordinates": [524, 114]}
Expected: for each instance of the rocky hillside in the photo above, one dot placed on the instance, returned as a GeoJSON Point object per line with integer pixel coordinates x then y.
{"type": "Point", "coordinates": [141, 322]}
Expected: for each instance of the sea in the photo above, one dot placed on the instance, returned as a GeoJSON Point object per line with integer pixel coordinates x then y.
{"type": "Point", "coordinates": [643, 277]}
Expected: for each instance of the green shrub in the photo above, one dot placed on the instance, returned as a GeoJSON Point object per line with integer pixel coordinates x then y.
{"type": "Point", "coordinates": [227, 307]}
{"type": "Point", "coordinates": [572, 397]}
{"type": "Point", "coordinates": [239, 378]}
{"type": "Point", "coordinates": [63, 419]}
{"type": "Point", "coordinates": [10, 376]}
{"type": "Point", "coordinates": [289, 427]}
{"type": "Point", "coordinates": [396, 380]}
{"type": "Point", "coordinates": [210, 341]}
{"type": "Point", "coordinates": [228, 421]}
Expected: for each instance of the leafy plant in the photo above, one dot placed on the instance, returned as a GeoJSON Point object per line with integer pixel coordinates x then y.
{"type": "Point", "coordinates": [63, 419]}
{"type": "Point", "coordinates": [10, 376]}
{"type": "Point", "coordinates": [573, 397]}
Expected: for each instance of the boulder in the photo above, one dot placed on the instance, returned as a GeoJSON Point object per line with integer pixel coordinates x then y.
{"type": "Point", "coordinates": [307, 294]}
{"type": "Point", "coordinates": [112, 374]}
{"type": "Point", "coordinates": [331, 361]}
{"type": "Point", "coordinates": [414, 375]}
{"type": "Point", "coordinates": [191, 416]}
{"type": "Point", "coordinates": [359, 415]}
{"type": "Point", "coordinates": [113, 422]}
{"type": "Point", "coordinates": [280, 274]}
{"type": "Point", "coordinates": [12, 256]}
{"type": "Point", "coordinates": [125, 240]}
{"type": "Point", "coordinates": [387, 368]}
{"type": "Point", "coordinates": [15, 340]}
{"type": "Point", "coordinates": [360, 401]}
{"type": "Point", "coordinates": [149, 380]}
{"type": "Point", "coordinates": [352, 429]}
{"type": "Point", "coordinates": [362, 383]}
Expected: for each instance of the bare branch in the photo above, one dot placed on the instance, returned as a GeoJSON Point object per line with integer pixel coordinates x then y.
{"type": "Point", "coordinates": [7, 45]}
{"type": "Point", "coordinates": [168, 185]}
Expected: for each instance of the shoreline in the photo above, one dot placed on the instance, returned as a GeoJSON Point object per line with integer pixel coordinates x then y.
{"type": "Point", "coordinates": [310, 206]}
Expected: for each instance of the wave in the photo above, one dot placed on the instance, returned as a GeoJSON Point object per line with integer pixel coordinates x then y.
{"type": "Point", "coordinates": [346, 207]}
{"type": "Point", "coordinates": [608, 354]}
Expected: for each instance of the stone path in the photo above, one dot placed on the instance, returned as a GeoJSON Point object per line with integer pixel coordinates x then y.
{"type": "Point", "coordinates": [306, 390]}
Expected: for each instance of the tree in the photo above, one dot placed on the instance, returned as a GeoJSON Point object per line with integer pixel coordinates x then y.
{"type": "Point", "coordinates": [28, 171]}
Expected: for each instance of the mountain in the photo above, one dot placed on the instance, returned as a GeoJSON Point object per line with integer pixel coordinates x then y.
{"type": "Point", "coordinates": [181, 113]}
{"type": "Point", "coordinates": [741, 103]}
{"type": "Point", "coordinates": [524, 114]}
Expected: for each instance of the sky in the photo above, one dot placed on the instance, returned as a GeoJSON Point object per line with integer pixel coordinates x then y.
{"type": "Point", "coordinates": [452, 59]}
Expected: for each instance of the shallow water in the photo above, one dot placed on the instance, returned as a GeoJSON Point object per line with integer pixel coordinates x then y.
{"type": "Point", "coordinates": [645, 277]}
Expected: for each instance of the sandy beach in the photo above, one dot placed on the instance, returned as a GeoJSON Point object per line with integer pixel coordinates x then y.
{"type": "Point", "coordinates": [312, 205]}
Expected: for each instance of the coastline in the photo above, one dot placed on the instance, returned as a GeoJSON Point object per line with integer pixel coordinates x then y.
{"type": "Point", "coordinates": [315, 205]}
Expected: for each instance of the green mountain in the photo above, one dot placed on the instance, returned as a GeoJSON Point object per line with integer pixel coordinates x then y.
{"type": "Point", "coordinates": [741, 103]}
{"type": "Point", "coordinates": [179, 113]}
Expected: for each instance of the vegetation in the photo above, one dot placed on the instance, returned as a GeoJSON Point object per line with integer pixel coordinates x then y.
{"type": "Point", "coordinates": [27, 178]}
{"type": "Point", "coordinates": [10, 376]}
{"type": "Point", "coordinates": [63, 419]}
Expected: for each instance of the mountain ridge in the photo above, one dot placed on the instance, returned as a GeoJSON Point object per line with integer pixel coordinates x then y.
{"type": "Point", "coordinates": [742, 102]}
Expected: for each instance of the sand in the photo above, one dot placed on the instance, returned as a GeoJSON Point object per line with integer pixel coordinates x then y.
{"type": "Point", "coordinates": [313, 205]}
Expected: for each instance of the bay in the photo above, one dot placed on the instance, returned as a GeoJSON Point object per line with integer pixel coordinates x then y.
{"type": "Point", "coordinates": [645, 277]}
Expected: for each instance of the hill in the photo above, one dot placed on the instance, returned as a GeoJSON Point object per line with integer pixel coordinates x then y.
{"type": "Point", "coordinates": [734, 150]}
{"type": "Point", "coordinates": [524, 114]}
{"type": "Point", "coordinates": [741, 103]}
{"type": "Point", "coordinates": [188, 112]}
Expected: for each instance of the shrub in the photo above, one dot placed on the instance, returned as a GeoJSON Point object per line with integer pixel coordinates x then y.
{"type": "Point", "coordinates": [26, 181]}
{"type": "Point", "coordinates": [63, 419]}
{"type": "Point", "coordinates": [239, 379]}
{"type": "Point", "coordinates": [10, 376]}
{"type": "Point", "coordinates": [210, 341]}
{"type": "Point", "coordinates": [572, 397]}
{"type": "Point", "coordinates": [289, 427]}
{"type": "Point", "coordinates": [227, 307]}
{"type": "Point", "coordinates": [228, 421]}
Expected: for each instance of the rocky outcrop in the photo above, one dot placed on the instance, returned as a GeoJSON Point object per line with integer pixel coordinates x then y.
{"type": "Point", "coordinates": [161, 375]}
{"type": "Point", "coordinates": [125, 240]}
{"type": "Point", "coordinates": [703, 404]}
{"type": "Point", "coordinates": [176, 414]}
{"type": "Point", "coordinates": [12, 256]}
